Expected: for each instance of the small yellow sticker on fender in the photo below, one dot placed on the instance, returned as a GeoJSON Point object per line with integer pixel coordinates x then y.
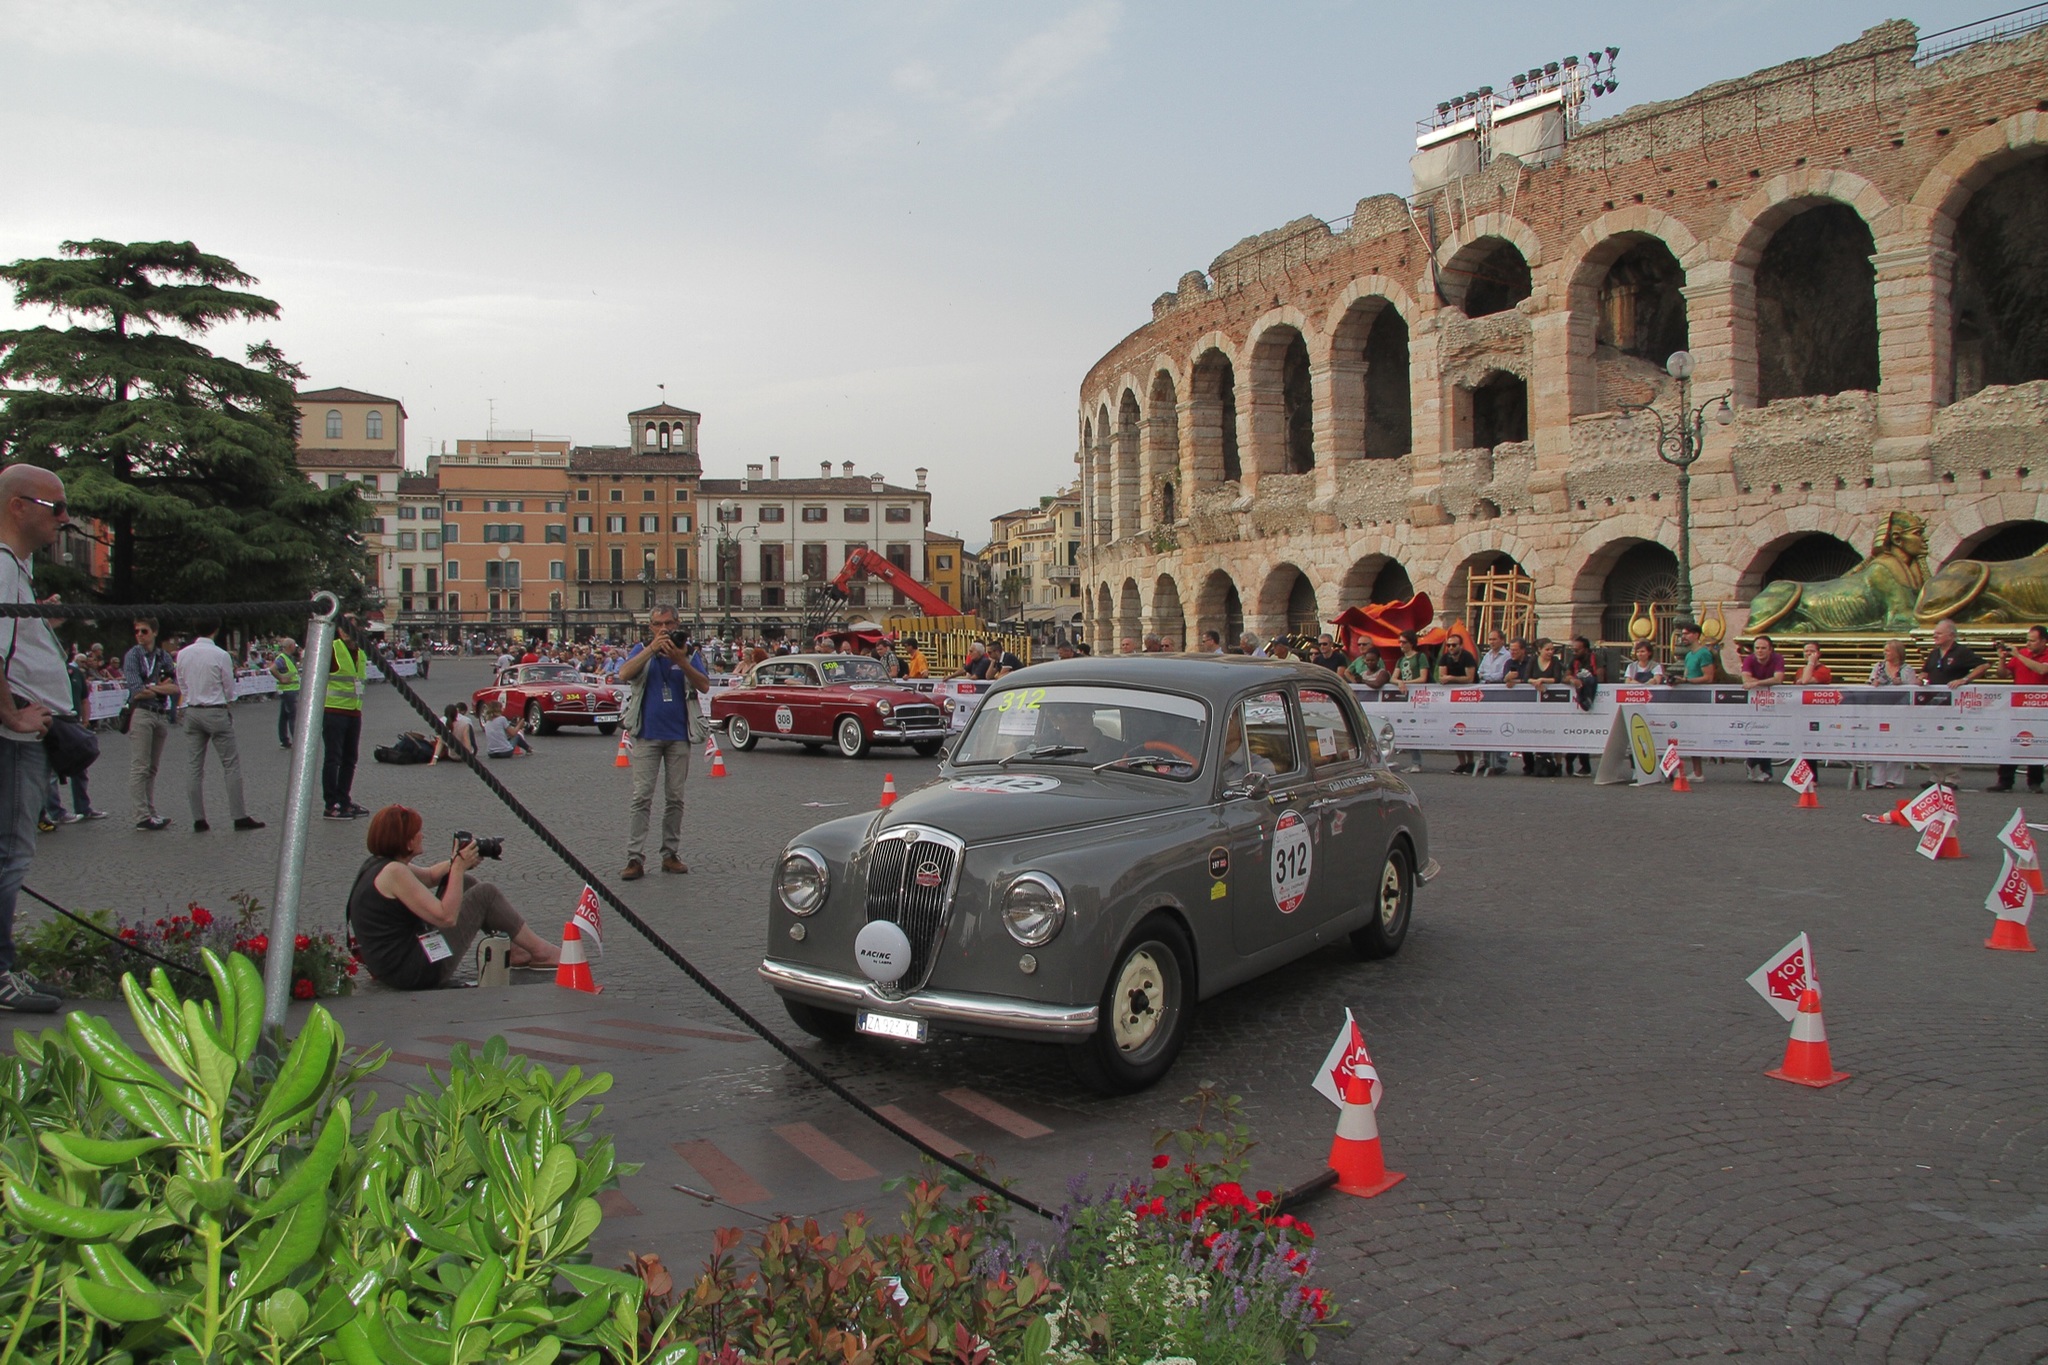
{"type": "Point", "coordinates": [1218, 891]}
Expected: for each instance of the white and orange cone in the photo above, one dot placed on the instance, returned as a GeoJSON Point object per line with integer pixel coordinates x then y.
{"type": "Point", "coordinates": [1355, 1152]}
{"type": "Point", "coordinates": [888, 791]}
{"type": "Point", "coordinates": [574, 972]}
{"type": "Point", "coordinates": [625, 758]}
{"type": "Point", "coordinates": [715, 754]}
{"type": "Point", "coordinates": [2012, 900]}
{"type": "Point", "coordinates": [1806, 1056]}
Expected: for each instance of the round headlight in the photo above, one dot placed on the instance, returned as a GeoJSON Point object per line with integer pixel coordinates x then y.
{"type": "Point", "coordinates": [1034, 908]}
{"type": "Point", "coordinates": [883, 708]}
{"type": "Point", "coordinates": [801, 882]}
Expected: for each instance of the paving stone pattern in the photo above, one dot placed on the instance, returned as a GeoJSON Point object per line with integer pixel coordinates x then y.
{"type": "Point", "coordinates": [1597, 1167]}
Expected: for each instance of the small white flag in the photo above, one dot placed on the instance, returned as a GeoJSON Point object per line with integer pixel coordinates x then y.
{"type": "Point", "coordinates": [1799, 777]}
{"type": "Point", "coordinates": [2011, 897]}
{"type": "Point", "coordinates": [1347, 1058]}
{"type": "Point", "coordinates": [588, 918]}
{"type": "Point", "coordinates": [1789, 973]}
{"type": "Point", "coordinates": [1669, 763]}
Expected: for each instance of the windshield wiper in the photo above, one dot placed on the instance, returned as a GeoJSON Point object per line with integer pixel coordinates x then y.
{"type": "Point", "coordinates": [1043, 751]}
{"type": "Point", "coordinates": [1145, 760]}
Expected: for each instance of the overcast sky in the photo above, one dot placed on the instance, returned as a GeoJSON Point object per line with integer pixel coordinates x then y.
{"type": "Point", "coordinates": [894, 232]}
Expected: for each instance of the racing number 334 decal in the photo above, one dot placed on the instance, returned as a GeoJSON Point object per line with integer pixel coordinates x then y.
{"type": "Point", "coordinates": [1293, 855]}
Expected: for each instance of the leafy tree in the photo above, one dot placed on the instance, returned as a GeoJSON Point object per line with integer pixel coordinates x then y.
{"type": "Point", "coordinates": [187, 459]}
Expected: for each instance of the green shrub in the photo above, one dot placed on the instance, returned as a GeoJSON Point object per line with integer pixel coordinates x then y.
{"type": "Point", "coordinates": [87, 965]}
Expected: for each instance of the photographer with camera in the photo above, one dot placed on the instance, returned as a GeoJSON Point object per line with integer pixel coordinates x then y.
{"type": "Point", "coordinates": [413, 925]}
{"type": "Point", "coordinates": [661, 714]}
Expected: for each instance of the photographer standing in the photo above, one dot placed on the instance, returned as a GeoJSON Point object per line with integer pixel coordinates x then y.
{"type": "Point", "coordinates": [658, 717]}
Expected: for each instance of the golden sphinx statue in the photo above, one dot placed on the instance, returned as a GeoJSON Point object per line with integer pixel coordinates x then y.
{"type": "Point", "coordinates": [1880, 594]}
{"type": "Point", "coordinates": [1976, 593]}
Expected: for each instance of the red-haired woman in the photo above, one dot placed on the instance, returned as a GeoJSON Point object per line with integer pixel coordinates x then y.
{"type": "Point", "coordinates": [413, 925]}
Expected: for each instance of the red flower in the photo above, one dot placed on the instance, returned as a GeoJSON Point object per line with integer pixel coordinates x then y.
{"type": "Point", "coordinates": [301, 943]}
{"type": "Point", "coordinates": [163, 924]}
{"type": "Point", "coordinates": [1318, 1301]}
{"type": "Point", "coordinates": [259, 943]}
{"type": "Point", "coordinates": [130, 935]}
{"type": "Point", "coordinates": [1161, 1162]}
{"type": "Point", "coordinates": [202, 917]}
{"type": "Point", "coordinates": [353, 965]}
{"type": "Point", "coordinates": [302, 989]}
{"type": "Point", "coordinates": [1265, 1196]}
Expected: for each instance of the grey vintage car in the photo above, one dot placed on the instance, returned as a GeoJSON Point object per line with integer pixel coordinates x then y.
{"type": "Point", "coordinates": [1108, 842]}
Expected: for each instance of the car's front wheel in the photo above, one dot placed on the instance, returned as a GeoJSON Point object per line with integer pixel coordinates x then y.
{"type": "Point", "coordinates": [537, 719]}
{"type": "Point", "coordinates": [827, 1026]}
{"type": "Point", "coordinates": [1393, 902]}
{"type": "Point", "coordinates": [739, 734]}
{"type": "Point", "coordinates": [1146, 1007]}
{"type": "Point", "coordinates": [852, 740]}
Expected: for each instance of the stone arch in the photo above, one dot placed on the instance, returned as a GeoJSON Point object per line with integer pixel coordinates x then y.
{"type": "Point", "coordinates": [1169, 620]}
{"type": "Point", "coordinates": [1508, 607]}
{"type": "Point", "coordinates": [1130, 614]}
{"type": "Point", "coordinates": [2003, 541]}
{"type": "Point", "coordinates": [1460, 259]}
{"type": "Point", "coordinates": [1279, 396]}
{"type": "Point", "coordinates": [1375, 578]}
{"type": "Point", "coordinates": [1218, 607]}
{"type": "Point", "coordinates": [1630, 567]}
{"type": "Point", "coordinates": [1104, 625]}
{"type": "Point", "coordinates": [1288, 602]}
{"type": "Point", "coordinates": [1805, 556]}
{"type": "Point", "coordinates": [1816, 306]}
{"type": "Point", "coordinates": [1124, 461]}
{"type": "Point", "coordinates": [1965, 526]}
{"type": "Point", "coordinates": [1160, 443]}
{"type": "Point", "coordinates": [1997, 298]}
{"type": "Point", "coordinates": [1751, 226]}
{"type": "Point", "coordinates": [1613, 243]}
{"type": "Point", "coordinates": [1211, 429]}
{"type": "Point", "coordinates": [1751, 549]}
{"type": "Point", "coordinates": [1104, 528]}
{"type": "Point", "coordinates": [1370, 399]}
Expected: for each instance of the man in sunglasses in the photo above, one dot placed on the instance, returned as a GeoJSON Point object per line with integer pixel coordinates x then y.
{"type": "Point", "coordinates": [37, 688]}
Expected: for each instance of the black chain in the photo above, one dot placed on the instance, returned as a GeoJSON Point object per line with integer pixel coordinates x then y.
{"type": "Point", "coordinates": [669, 951]}
{"type": "Point", "coordinates": [125, 945]}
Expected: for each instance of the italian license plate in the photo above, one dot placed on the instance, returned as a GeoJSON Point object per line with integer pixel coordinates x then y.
{"type": "Point", "coordinates": [892, 1026]}
{"type": "Point", "coordinates": [606, 718]}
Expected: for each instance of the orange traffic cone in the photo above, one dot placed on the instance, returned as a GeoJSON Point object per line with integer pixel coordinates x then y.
{"type": "Point", "coordinates": [1950, 847]}
{"type": "Point", "coordinates": [574, 973]}
{"type": "Point", "coordinates": [1809, 799]}
{"type": "Point", "coordinates": [888, 791]}
{"type": "Point", "coordinates": [625, 758]}
{"type": "Point", "coordinates": [1897, 814]}
{"type": "Point", "coordinates": [1806, 1055]}
{"type": "Point", "coordinates": [2032, 872]}
{"type": "Point", "coordinates": [1355, 1151]}
{"type": "Point", "coordinates": [717, 760]}
{"type": "Point", "coordinates": [1678, 782]}
{"type": "Point", "coordinates": [2011, 936]}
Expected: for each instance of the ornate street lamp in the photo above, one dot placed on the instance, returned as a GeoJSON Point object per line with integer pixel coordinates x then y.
{"type": "Point", "coordinates": [1681, 447]}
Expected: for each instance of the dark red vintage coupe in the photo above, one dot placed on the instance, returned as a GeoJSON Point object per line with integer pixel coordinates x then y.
{"type": "Point", "coordinates": [845, 700]}
{"type": "Point", "coordinates": [551, 695]}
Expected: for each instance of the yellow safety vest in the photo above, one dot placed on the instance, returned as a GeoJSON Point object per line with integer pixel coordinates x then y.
{"type": "Point", "coordinates": [290, 682]}
{"type": "Point", "coordinates": [345, 683]}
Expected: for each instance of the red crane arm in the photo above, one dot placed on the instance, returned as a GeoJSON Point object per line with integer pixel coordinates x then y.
{"type": "Point", "coordinates": [878, 566]}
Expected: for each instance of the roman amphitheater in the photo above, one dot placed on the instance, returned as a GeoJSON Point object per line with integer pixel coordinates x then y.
{"type": "Point", "coordinates": [1853, 249]}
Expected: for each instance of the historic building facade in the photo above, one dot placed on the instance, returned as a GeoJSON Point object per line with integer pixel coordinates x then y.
{"type": "Point", "coordinates": [1852, 248]}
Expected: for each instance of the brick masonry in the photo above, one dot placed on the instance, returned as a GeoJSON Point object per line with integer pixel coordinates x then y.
{"type": "Point", "coordinates": [1713, 176]}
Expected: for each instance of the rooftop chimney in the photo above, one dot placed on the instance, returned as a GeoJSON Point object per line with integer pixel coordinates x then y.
{"type": "Point", "coordinates": [774, 466]}
{"type": "Point", "coordinates": [824, 469]}
{"type": "Point", "coordinates": [848, 468]}
{"type": "Point", "coordinates": [921, 478]}
{"type": "Point", "coordinates": [753, 471]}
{"type": "Point", "coordinates": [875, 483]}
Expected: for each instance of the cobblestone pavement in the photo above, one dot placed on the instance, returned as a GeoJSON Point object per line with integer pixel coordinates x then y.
{"type": "Point", "coordinates": [1597, 1166]}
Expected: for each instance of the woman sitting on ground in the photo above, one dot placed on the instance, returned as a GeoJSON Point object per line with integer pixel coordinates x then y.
{"type": "Point", "coordinates": [502, 736]}
{"type": "Point", "coordinates": [455, 717]}
{"type": "Point", "coordinates": [413, 925]}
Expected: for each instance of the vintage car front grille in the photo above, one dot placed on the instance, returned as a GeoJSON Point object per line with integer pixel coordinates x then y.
{"type": "Point", "coordinates": [917, 716]}
{"type": "Point", "coordinates": [899, 862]}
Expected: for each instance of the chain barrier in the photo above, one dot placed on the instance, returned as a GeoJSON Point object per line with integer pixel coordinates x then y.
{"type": "Point", "coordinates": [136, 948]}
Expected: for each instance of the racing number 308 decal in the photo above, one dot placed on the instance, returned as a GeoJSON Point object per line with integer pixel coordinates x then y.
{"type": "Point", "coordinates": [1293, 855]}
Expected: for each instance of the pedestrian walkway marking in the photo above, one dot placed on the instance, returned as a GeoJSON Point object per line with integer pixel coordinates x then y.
{"type": "Point", "coordinates": [595, 1039]}
{"type": "Point", "coordinates": [837, 1161]}
{"type": "Point", "coordinates": [616, 1205]}
{"type": "Point", "coordinates": [722, 1173]}
{"type": "Point", "coordinates": [561, 1058]}
{"type": "Point", "coordinates": [680, 1032]}
{"type": "Point", "coordinates": [923, 1131]}
{"type": "Point", "coordinates": [1003, 1117]}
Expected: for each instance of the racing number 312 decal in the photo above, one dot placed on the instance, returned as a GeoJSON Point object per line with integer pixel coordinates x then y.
{"type": "Point", "coordinates": [1293, 856]}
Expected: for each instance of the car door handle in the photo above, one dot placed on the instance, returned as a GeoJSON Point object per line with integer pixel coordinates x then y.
{"type": "Point", "coordinates": [1325, 801]}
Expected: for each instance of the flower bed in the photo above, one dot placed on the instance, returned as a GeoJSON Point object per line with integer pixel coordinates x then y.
{"type": "Point", "coordinates": [86, 965]}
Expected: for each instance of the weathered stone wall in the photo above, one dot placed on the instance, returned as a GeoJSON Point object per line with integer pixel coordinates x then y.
{"type": "Point", "coordinates": [1713, 176]}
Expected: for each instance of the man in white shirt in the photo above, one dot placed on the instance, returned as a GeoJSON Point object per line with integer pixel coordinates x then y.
{"type": "Point", "coordinates": [1493, 668]}
{"type": "Point", "coordinates": [206, 687]}
{"type": "Point", "coordinates": [37, 687]}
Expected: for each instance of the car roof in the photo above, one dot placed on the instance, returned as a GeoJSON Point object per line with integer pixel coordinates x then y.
{"type": "Point", "coordinates": [1217, 677]}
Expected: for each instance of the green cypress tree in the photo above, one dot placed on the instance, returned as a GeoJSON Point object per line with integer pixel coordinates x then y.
{"type": "Point", "coordinates": [187, 460]}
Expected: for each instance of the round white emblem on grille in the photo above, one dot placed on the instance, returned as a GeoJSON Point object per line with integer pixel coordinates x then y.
{"type": "Point", "coordinates": [883, 952]}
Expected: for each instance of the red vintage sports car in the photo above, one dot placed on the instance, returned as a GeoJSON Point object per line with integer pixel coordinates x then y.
{"type": "Point", "coordinates": [551, 695]}
{"type": "Point", "coordinates": [846, 700]}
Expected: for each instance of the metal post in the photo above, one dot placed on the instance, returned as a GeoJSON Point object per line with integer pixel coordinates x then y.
{"type": "Point", "coordinates": [298, 811]}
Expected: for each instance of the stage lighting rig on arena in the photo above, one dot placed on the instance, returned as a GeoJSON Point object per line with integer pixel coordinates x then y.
{"type": "Point", "coordinates": [1532, 125]}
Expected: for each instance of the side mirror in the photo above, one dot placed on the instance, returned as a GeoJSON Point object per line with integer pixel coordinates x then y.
{"type": "Point", "coordinates": [1386, 738]}
{"type": "Point", "coordinates": [1249, 787]}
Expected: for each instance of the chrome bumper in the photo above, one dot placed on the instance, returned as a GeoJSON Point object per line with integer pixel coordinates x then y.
{"type": "Point", "coordinates": [980, 1013]}
{"type": "Point", "coordinates": [910, 736]}
{"type": "Point", "coordinates": [1430, 870]}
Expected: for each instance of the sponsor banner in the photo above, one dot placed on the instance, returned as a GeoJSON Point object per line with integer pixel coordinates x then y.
{"type": "Point", "coordinates": [1907, 724]}
{"type": "Point", "coordinates": [965, 694]}
{"type": "Point", "coordinates": [253, 682]}
{"type": "Point", "coordinates": [404, 668]}
{"type": "Point", "coordinates": [104, 700]}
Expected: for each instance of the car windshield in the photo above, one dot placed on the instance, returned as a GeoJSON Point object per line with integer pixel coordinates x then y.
{"type": "Point", "coordinates": [854, 668]}
{"type": "Point", "coordinates": [1114, 728]}
{"type": "Point", "coordinates": [549, 673]}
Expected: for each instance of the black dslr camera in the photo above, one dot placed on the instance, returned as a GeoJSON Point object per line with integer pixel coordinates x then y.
{"type": "Point", "coordinates": [492, 847]}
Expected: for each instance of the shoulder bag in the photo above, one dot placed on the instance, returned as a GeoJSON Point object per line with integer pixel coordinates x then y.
{"type": "Point", "coordinates": [70, 746]}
